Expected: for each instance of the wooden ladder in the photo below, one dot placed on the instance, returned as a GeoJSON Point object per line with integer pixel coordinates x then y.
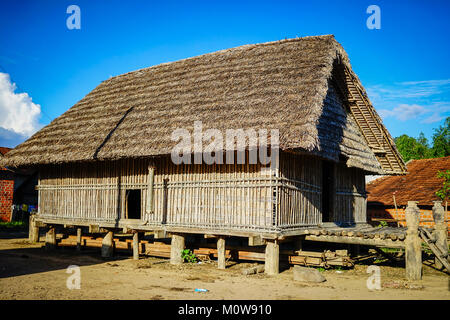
{"type": "Point", "coordinates": [440, 254]}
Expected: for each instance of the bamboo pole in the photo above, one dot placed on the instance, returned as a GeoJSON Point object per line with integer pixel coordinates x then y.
{"type": "Point", "coordinates": [151, 177]}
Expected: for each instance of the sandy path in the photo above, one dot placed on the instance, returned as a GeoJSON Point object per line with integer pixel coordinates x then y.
{"type": "Point", "coordinates": [29, 272]}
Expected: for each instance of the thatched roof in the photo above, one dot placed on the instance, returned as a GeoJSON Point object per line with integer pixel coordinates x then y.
{"type": "Point", "coordinates": [275, 85]}
{"type": "Point", "coordinates": [419, 184]}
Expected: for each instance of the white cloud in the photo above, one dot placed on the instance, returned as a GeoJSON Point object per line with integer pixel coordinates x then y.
{"type": "Point", "coordinates": [425, 100]}
{"type": "Point", "coordinates": [408, 90]}
{"type": "Point", "coordinates": [18, 113]}
{"type": "Point", "coordinates": [435, 117]}
{"type": "Point", "coordinates": [432, 83]}
{"type": "Point", "coordinates": [404, 112]}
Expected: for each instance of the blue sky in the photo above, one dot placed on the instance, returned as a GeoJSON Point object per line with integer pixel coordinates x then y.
{"type": "Point", "coordinates": [404, 65]}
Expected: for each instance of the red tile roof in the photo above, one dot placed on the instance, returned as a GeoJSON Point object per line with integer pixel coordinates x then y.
{"type": "Point", "coordinates": [419, 184]}
{"type": "Point", "coordinates": [4, 150]}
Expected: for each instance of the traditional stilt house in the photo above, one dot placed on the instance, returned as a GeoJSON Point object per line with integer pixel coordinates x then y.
{"type": "Point", "coordinates": [108, 160]}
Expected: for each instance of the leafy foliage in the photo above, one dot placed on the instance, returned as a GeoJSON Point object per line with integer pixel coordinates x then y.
{"type": "Point", "coordinates": [441, 140]}
{"type": "Point", "coordinates": [418, 148]}
{"type": "Point", "coordinates": [444, 192]}
{"type": "Point", "coordinates": [412, 148]}
{"type": "Point", "coordinates": [13, 225]}
{"type": "Point", "coordinates": [188, 256]}
{"type": "Point", "coordinates": [382, 224]}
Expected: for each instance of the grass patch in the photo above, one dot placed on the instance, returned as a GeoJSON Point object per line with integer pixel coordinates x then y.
{"type": "Point", "coordinates": [13, 225]}
{"type": "Point", "coordinates": [391, 250]}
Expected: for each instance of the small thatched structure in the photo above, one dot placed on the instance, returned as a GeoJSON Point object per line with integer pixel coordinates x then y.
{"type": "Point", "coordinates": [106, 160]}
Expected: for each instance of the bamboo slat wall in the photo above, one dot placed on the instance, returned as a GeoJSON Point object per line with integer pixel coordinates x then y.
{"type": "Point", "coordinates": [210, 196]}
{"type": "Point", "coordinates": [350, 200]}
{"type": "Point", "coordinates": [229, 197]}
{"type": "Point", "coordinates": [225, 196]}
{"type": "Point", "coordinates": [300, 194]}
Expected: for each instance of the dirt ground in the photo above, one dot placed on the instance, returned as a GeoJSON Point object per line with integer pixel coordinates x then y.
{"type": "Point", "coordinates": [28, 271]}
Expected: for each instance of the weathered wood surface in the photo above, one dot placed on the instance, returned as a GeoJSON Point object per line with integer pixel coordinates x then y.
{"type": "Point", "coordinates": [79, 235]}
{"type": "Point", "coordinates": [441, 255]}
{"type": "Point", "coordinates": [176, 247]}
{"type": "Point", "coordinates": [365, 235]}
{"type": "Point", "coordinates": [272, 258]}
{"type": "Point", "coordinates": [221, 260]}
{"type": "Point", "coordinates": [136, 246]}
{"type": "Point", "coordinates": [440, 236]}
{"type": "Point", "coordinates": [50, 239]}
{"type": "Point", "coordinates": [108, 245]}
{"type": "Point", "coordinates": [33, 233]}
{"type": "Point", "coordinates": [413, 243]}
{"type": "Point", "coordinates": [208, 251]}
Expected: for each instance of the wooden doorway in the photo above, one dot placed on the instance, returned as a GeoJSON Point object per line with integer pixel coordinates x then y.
{"type": "Point", "coordinates": [133, 204]}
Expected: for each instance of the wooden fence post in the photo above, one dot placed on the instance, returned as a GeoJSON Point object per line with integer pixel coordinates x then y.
{"type": "Point", "coordinates": [176, 247]}
{"type": "Point", "coordinates": [440, 230]}
{"type": "Point", "coordinates": [272, 258]}
{"type": "Point", "coordinates": [221, 253]}
{"type": "Point", "coordinates": [108, 245]}
{"type": "Point", "coordinates": [413, 243]}
{"type": "Point", "coordinates": [50, 239]}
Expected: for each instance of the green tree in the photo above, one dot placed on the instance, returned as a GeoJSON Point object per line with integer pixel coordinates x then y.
{"type": "Point", "coordinates": [444, 192]}
{"type": "Point", "coordinates": [412, 148]}
{"type": "Point", "coordinates": [441, 140]}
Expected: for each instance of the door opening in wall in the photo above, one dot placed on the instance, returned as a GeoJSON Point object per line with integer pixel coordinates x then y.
{"type": "Point", "coordinates": [327, 190]}
{"type": "Point", "coordinates": [133, 204]}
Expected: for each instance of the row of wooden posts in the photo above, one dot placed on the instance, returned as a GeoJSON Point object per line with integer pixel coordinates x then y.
{"type": "Point", "coordinates": [412, 243]}
{"type": "Point", "coordinates": [413, 240]}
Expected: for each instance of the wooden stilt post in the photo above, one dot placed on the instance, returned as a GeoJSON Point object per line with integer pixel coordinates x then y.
{"type": "Point", "coordinates": [33, 231]}
{"type": "Point", "coordinates": [50, 239]}
{"type": "Point", "coordinates": [298, 243]}
{"type": "Point", "coordinates": [136, 246]}
{"type": "Point", "coordinates": [440, 230]}
{"type": "Point", "coordinates": [176, 247]}
{"type": "Point", "coordinates": [221, 253]}
{"type": "Point", "coordinates": [413, 243]}
{"type": "Point", "coordinates": [356, 250]}
{"type": "Point", "coordinates": [272, 258]}
{"type": "Point", "coordinates": [108, 245]}
{"type": "Point", "coordinates": [78, 239]}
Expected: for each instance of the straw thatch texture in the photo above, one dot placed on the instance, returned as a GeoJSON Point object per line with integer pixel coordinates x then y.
{"type": "Point", "coordinates": [276, 85]}
{"type": "Point", "coordinates": [339, 135]}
